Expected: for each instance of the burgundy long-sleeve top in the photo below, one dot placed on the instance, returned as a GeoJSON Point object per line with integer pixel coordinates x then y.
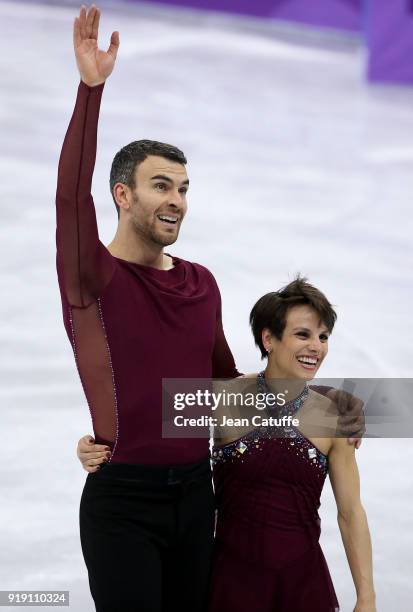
{"type": "Point", "coordinates": [129, 325]}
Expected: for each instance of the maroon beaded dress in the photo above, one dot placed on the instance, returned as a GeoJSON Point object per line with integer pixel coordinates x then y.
{"type": "Point", "coordinates": [267, 552]}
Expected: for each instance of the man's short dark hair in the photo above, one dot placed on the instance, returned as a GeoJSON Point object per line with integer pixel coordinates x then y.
{"type": "Point", "coordinates": [270, 312]}
{"type": "Point", "coordinates": [130, 156]}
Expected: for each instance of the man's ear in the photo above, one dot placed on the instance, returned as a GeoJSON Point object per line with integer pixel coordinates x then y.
{"type": "Point", "coordinates": [123, 196]}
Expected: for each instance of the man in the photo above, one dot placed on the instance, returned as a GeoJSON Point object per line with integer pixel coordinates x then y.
{"type": "Point", "coordinates": [134, 315]}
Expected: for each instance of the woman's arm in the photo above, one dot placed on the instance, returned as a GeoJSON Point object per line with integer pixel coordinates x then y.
{"type": "Point", "coordinates": [352, 520]}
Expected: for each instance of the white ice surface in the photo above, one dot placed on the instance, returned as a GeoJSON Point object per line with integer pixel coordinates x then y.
{"type": "Point", "coordinates": [295, 165]}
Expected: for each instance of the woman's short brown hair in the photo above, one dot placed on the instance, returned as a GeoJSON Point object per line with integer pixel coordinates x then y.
{"type": "Point", "coordinates": [270, 312]}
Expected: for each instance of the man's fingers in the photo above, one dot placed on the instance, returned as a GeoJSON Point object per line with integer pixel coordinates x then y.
{"type": "Point", "coordinates": [345, 401]}
{"type": "Point", "coordinates": [77, 38]}
{"type": "Point", "coordinates": [349, 423]}
{"type": "Point", "coordinates": [89, 20]}
{"type": "Point", "coordinates": [95, 25]}
{"type": "Point", "coordinates": [339, 398]}
{"type": "Point", "coordinates": [356, 441]}
{"type": "Point", "coordinates": [82, 22]}
{"type": "Point", "coordinates": [351, 433]}
{"type": "Point", "coordinates": [114, 44]}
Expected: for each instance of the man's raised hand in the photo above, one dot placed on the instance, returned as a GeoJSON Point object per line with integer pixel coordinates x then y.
{"type": "Point", "coordinates": [94, 65]}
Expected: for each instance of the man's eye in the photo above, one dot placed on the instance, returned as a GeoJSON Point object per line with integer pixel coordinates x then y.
{"type": "Point", "coordinates": [160, 186]}
{"type": "Point", "coordinates": [323, 337]}
{"type": "Point", "coordinates": [184, 191]}
{"type": "Point", "coordinates": [302, 334]}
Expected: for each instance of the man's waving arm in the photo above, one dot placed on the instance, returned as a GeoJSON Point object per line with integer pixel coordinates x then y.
{"type": "Point", "coordinates": [84, 265]}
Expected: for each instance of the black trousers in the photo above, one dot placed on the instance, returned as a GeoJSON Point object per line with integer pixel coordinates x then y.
{"type": "Point", "coordinates": [147, 537]}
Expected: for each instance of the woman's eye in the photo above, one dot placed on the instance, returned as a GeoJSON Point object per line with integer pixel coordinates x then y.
{"type": "Point", "coordinates": [302, 334]}
{"type": "Point", "coordinates": [323, 337]}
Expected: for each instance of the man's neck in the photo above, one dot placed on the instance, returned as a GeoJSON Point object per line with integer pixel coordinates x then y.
{"type": "Point", "coordinates": [140, 253]}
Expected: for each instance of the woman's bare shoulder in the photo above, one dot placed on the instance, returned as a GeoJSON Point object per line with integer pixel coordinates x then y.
{"type": "Point", "coordinates": [323, 403]}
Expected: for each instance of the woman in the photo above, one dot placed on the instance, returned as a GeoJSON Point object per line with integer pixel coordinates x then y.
{"type": "Point", "coordinates": [268, 482]}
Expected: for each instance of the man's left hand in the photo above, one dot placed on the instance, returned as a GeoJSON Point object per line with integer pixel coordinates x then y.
{"type": "Point", "coordinates": [351, 422]}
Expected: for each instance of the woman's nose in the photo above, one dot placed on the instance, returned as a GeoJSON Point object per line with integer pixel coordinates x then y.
{"type": "Point", "coordinates": [315, 345]}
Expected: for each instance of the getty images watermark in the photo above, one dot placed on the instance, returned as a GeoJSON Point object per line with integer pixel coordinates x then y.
{"type": "Point", "coordinates": [196, 408]}
{"type": "Point", "coordinates": [191, 408]}
{"type": "Point", "coordinates": [212, 400]}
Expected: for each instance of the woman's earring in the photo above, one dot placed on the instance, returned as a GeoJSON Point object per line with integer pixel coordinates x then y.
{"type": "Point", "coordinates": [269, 350]}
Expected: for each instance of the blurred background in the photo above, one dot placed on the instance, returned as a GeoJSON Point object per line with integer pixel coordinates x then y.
{"type": "Point", "coordinates": [297, 120]}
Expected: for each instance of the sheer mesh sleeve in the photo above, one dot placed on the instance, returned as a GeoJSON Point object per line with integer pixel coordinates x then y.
{"type": "Point", "coordinates": [84, 264]}
{"type": "Point", "coordinates": [223, 363]}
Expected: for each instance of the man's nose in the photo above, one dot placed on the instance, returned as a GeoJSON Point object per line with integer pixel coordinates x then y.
{"type": "Point", "coordinates": [176, 201]}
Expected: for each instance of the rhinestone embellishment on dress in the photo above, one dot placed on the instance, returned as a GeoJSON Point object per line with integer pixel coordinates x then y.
{"type": "Point", "coordinates": [312, 453]}
{"type": "Point", "coordinates": [241, 447]}
{"type": "Point", "coordinates": [291, 437]}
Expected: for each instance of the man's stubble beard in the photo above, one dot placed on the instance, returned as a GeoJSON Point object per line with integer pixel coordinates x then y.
{"type": "Point", "coordinates": [147, 232]}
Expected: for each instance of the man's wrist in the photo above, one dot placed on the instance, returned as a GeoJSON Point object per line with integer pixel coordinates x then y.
{"type": "Point", "coordinates": [93, 85]}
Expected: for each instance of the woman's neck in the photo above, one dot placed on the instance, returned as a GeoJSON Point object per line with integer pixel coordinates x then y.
{"type": "Point", "coordinates": [278, 382]}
